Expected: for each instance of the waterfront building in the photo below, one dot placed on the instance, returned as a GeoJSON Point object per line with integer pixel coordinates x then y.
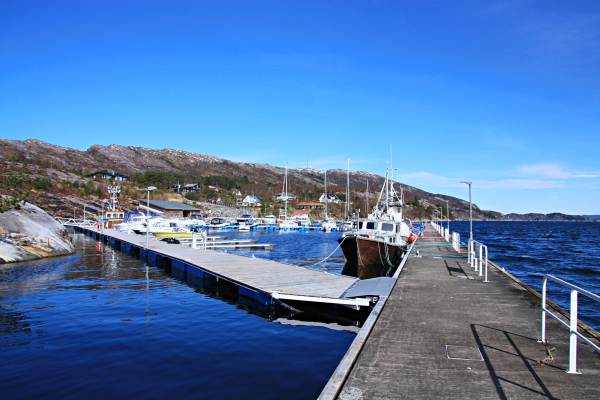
{"type": "Point", "coordinates": [173, 209]}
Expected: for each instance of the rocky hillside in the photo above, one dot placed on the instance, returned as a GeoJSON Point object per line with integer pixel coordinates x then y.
{"type": "Point", "coordinates": [55, 177]}
{"type": "Point", "coordinates": [27, 232]}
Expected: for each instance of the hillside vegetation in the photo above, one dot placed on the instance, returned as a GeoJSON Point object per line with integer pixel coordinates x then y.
{"type": "Point", "coordinates": [55, 177]}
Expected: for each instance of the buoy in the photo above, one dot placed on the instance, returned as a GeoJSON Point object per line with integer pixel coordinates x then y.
{"type": "Point", "coordinates": [411, 239]}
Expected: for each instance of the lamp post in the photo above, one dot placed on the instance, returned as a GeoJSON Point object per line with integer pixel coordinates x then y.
{"type": "Point", "coordinates": [442, 221]}
{"type": "Point", "coordinates": [448, 216]}
{"type": "Point", "coordinates": [469, 183]}
{"type": "Point", "coordinates": [148, 189]}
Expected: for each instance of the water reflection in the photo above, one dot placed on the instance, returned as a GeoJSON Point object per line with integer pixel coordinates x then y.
{"type": "Point", "coordinates": [103, 322]}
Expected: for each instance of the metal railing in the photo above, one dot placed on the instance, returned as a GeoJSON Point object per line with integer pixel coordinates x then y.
{"type": "Point", "coordinates": [443, 231]}
{"type": "Point", "coordinates": [89, 223]}
{"type": "Point", "coordinates": [203, 238]}
{"type": "Point", "coordinates": [478, 258]}
{"type": "Point", "coordinates": [572, 325]}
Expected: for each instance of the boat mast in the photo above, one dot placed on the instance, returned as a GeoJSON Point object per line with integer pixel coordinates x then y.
{"type": "Point", "coordinates": [387, 190]}
{"type": "Point", "coordinates": [391, 182]}
{"type": "Point", "coordinates": [367, 200]}
{"type": "Point", "coordinates": [348, 189]}
{"type": "Point", "coordinates": [285, 195]}
{"type": "Point", "coordinates": [326, 198]}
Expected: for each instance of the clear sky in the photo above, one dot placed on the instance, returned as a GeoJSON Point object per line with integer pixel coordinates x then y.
{"type": "Point", "coordinates": [506, 94]}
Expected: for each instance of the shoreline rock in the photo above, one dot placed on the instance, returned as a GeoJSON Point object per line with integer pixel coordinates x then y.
{"type": "Point", "coordinates": [28, 233]}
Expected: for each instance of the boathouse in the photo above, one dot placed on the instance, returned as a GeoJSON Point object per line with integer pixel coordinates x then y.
{"type": "Point", "coordinates": [169, 208]}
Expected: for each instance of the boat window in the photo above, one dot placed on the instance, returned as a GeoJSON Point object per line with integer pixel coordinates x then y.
{"type": "Point", "coordinates": [387, 227]}
{"type": "Point", "coordinates": [370, 225]}
{"type": "Point", "coordinates": [360, 225]}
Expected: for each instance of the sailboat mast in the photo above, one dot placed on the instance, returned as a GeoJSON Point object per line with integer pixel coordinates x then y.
{"type": "Point", "coordinates": [326, 198]}
{"type": "Point", "coordinates": [348, 189]}
{"type": "Point", "coordinates": [285, 195]}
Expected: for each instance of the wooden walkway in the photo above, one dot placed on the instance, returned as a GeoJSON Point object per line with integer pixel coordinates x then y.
{"type": "Point", "coordinates": [276, 279]}
{"type": "Point", "coordinates": [444, 334]}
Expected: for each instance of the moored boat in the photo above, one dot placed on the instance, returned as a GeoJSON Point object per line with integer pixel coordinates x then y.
{"type": "Point", "coordinates": [375, 246]}
{"type": "Point", "coordinates": [180, 234]}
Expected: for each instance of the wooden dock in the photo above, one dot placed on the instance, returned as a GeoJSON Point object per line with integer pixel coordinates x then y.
{"type": "Point", "coordinates": [445, 334]}
{"type": "Point", "coordinates": [257, 277]}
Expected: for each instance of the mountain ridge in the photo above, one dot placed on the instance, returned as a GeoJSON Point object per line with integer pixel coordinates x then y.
{"type": "Point", "coordinates": [46, 160]}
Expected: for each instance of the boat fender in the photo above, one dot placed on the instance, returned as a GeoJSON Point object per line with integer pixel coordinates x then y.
{"type": "Point", "coordinates": [411, 239]}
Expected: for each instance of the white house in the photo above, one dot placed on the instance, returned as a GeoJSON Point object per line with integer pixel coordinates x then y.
{"type": "Point", "coordinates": [331, 198]}
{"type": "Point", "coordinates": [283, 197]}
{"type": "Point", "coordinates": [251, 201]}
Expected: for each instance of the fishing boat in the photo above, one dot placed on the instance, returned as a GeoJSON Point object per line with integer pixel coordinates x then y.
{"type": "Point", "coordinates": [377, 244]}
{"type": "Point", "coordinates": [114, 215]}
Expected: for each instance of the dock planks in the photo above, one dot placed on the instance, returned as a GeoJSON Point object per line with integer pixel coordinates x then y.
{"type": "Point", "coordinates": [255, 273]}
{"type": "Point", "coordinates": [444, 334]}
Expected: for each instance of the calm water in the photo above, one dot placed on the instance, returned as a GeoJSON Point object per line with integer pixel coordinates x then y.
{"type": "Point", "coordinates": [100, 325]}
{"type": "Point", "coordinates": [567, 250]}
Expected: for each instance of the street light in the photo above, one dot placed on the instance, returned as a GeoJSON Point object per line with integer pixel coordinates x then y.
{"type": "Point", "coordinates": [442, 220]}
{"type": "Point", "coordinates": [448, 216]}
{"type": "Point", "coordinates": [148, 189]}
{"type": "Point", "coordinates": [468, 183]}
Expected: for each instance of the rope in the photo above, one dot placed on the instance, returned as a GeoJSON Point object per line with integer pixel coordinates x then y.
{"type": "Point", "coordinates": [326, 258]}
{"type": "Point", "coordinates": [358, 256]}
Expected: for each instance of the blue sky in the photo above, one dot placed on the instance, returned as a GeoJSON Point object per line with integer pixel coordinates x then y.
{"type": "Point", "coordinates": [506, 94]}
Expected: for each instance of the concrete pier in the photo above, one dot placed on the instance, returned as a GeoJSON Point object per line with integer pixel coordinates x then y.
{"type": "Point", "coordinates": [445, 334]}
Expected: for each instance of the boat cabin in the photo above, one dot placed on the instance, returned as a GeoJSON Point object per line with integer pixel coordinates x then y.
{"type": "Point", "coordinates": [392, 231]}
{"type": "Point", "coordinates": [113, 217]}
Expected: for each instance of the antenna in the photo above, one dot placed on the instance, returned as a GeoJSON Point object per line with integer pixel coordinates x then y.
{"type": "Point", "coordinates": [114, 199]}
{"type": "Point", "coordinates": [348, 190]}
{"type": "Point", "coordinates": [367, 200]}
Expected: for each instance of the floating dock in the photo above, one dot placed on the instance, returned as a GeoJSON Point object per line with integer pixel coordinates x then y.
{"type": "Point", "coordinates": [444, 333]}
{"type": "Point", "coordinates": [260, 279]}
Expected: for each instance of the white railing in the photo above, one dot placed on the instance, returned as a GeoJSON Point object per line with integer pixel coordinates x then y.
{"type": "Point", "coordinates": [572, 325]}
{"type": "Point", "coordinates": [478, 258]}
{"type": "Point", "coordinates": [89, 223]}
{"type": "Point", "coordinates": [202, 237]}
